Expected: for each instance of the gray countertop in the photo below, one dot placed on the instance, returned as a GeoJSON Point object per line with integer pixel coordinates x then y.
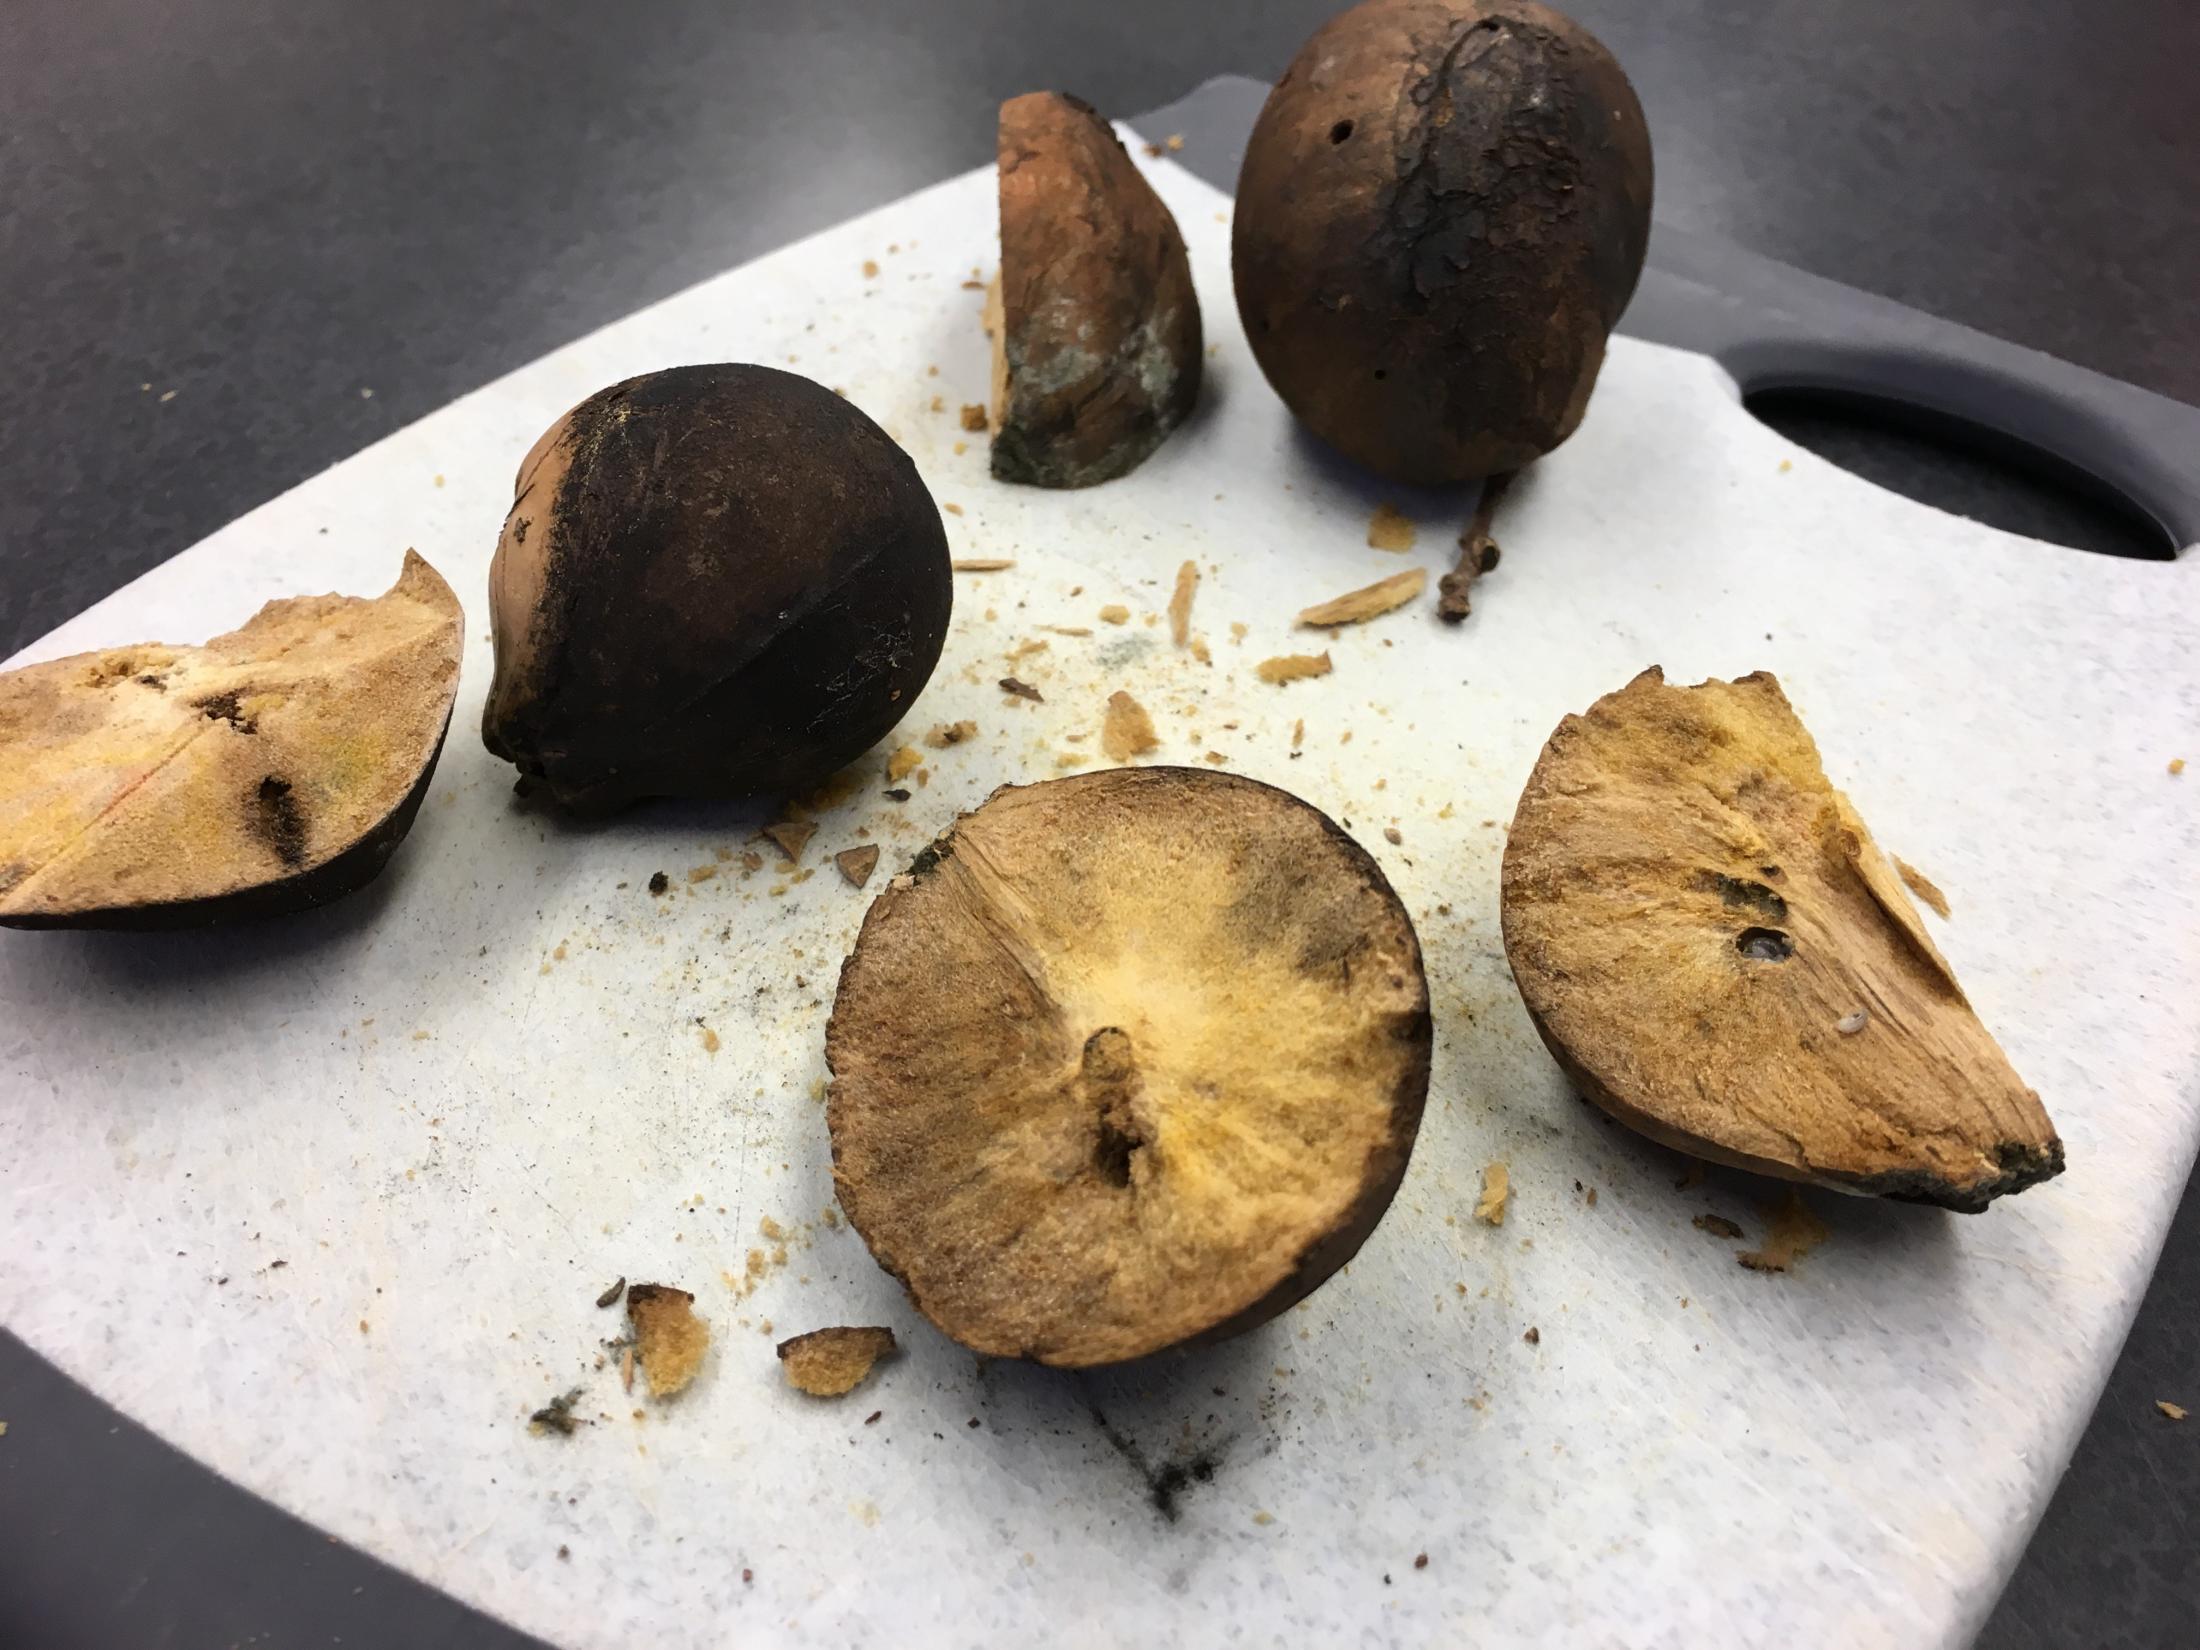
{"type": "Point", "coordinates": [241, 239]}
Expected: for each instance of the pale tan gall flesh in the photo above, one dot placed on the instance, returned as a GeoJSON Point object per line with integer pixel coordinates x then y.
{"type": "Point", "coordinates": [272, 768]}
{"type": "Point", "coordinates": [1709, 940]}
{"type": "Point", "coordinates": [1127, 1059]}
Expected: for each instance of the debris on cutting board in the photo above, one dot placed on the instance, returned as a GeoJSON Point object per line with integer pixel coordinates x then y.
{"type": "Point", "coordinates": [610, 1297]}
{"type": "Point", "coordinates": [981, 564]}
{"type": "Point", "coordinates": [2176, 1412]}
{"type": "Point", "coordinates": [791, 836]}
{"type": "Point", "coordinates": [557, 1416]}
{"type": "Point", "coordinates": [1921, 885]}
{"type": "Point", "coordinates": [668, 1337]}
{"type": "Point", "coordinates": [1489, 1209]}
{"type": "Point", "coordinates": [1390, 528]}
{"type": "Point", "coordinates": [1128, 730]}
{"type": "Point", "coordinates": [944, 734]}
{"type": "Point", "coordinates": [1180, 604]}
{"type": "Point", "coordinates": [1369, 601]}
{"type": "Point", "coordinates": [1477, 554]}
{"type": "Point", "coordinates": [828, 1362]}
{"type": "Point", "coordinates": [1292, 667]}
{"type": "Point", "coordinates": [856, 864]}
{"type": "Point", "coordinates": [1717, 1225]}
{"type": "Point", "coordinates": [1793, 1232]}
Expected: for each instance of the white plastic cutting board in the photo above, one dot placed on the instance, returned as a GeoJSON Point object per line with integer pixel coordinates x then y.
{"type": "Point", "coordinates": [327, 1201]}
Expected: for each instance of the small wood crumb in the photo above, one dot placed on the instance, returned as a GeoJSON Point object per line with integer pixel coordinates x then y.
{"type": "Point", "coordinates": [1021, 690]}
{"type": "Point", "coordinates": [1389, 528]}
{"type": "Point", "coordinates": [1117, 613]}
{"type": "Point", "coordinates": [1391, 836]}
{"type": "Point", "coordinates": [1717, 1225]}
{"type": "Point", "coordinates": [2176, 1412]}
{"type": "Point", "coordinates": [1067, 629]}
{"type": "Point", "coordinates": [626, 1368]}
{"type": "Point", "coordinates": [982, 564]}
{"type": "Point", "coordinates": [870, 269]}
{"type": "Point", "coordinates": [1128, 730]}
{"type": "Point", "coordinates": [1370, 601]}
{"type": "Point", "coordinates": [1489, 1209]}
{"type": "Point", "coordinates": [698, 873]}
{"type": "Point", "coordinates": [668, 1337]}
{"type": "Point", "coordinates": [903, 763]}
{"type": "Point", "coordinates": [973, 415]}
{"type": "Point", "coordinates": [2176, 766]}
{"type": "Point", "coordinates": [1180, 603]}
{"type": "Point", "coordinates": [610, 1297]}
{"type": "Point", "coordinates": [828, 1362]}
{"type": "Point", "coordinates": [944, 734]}
{"type": "Point", "coordinates": [1200, 650]}
{"type": "Point", "coordinates": [1175, 141]}
{"type": "Point", "coordinates": [1216, 759]}
{"type": "Point", "coordinates": [711, 1044]}
{"type": "Point", "coordinates": [960, 448]}
{"type": "Point", "coordinates": [792, 836]}
{"type": "Point", "coordinates": [1793, 1233]}
{"type": "Point", "coordinates": [1298, 733]}
{"type": "Point", "coordinates": [952, 509]}
{"type": "Point", "coordinates": [1292, 667]}
{"type": "Point", "coordinates": [1922, 886]}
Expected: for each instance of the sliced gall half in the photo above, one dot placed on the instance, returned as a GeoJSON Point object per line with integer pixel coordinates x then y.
{"type": "Point", "coordinates": [272, 769]}
{"type": "Point", "coordinates": [1095, 326]}
{"type": "Point", "coordinates": [1714, 948]}
{"type": "Point", "coordinates": [1126, 1060]}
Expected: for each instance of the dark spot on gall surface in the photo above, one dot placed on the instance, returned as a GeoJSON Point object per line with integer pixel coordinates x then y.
{"type": "Point", "coordinates": [222, 707]}
{"type": "Point", "coordinates": [1744, 895]}
{"type": "Point", "coordinates": [275, 817]}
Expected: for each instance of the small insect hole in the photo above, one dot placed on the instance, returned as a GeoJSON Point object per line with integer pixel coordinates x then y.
{"type": "Point", "coordinates": [1339, 132]}
{"type": "Point", "coordinates": [1764, 945]}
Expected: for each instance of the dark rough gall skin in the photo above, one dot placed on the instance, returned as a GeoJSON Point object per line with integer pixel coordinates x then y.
{"type": "Point", "coordinates": [1442, 214]}
{"type": "Point", "coordinates": [1102, 329]}
{"type": "Point", "coordinates": [743, 584]}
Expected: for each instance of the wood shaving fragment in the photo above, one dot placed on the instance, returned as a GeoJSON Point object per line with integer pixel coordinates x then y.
{"type": "Point", "coordinates": [1793, 1233]}
{"type": "Point", "coordinates": [1292, 667]}
{"type": "Point", "coordinates": [952, 509]}
{"type": "Point", "coordinates": [870, 269]}
{"type": "Point", "coordinates": [902, 764]}
{"type": "Point", "coordinates": [1298, 733]}
{"type": "Point", "coordinates": [1067, 629]}
{"type": "Point", "coordinates": [702, 873]}
{"type": "Point", "coordinates": [1180, 604]}
{"type": "Point", "coordinates": [1389, 528]}
{"type": "Point", "coordinates": [2176, 1412]}
{"type": "Point", "coordinates": [1200, 652]}
{"type": "Point", "coordinates": [1717, 1225]}
{"type": "Point", "coordinates": [1128, 731]}
{"type": "Point", "coordinates": [792, 835]}
{"type": "Point", "coordinates": [944, 734]}
{"type": "Point", "coordinates": [1021, 690]}
{"type": "Point", "coordinates": [626, 1369]}
{"type": "Point", "coordinates": [1029, 645]}
{"type": "Point", "coordinates": [981, 564]}
{"type": "Point", "coordinates": [1922, 885]}
{"type": "Point", "coordinates": [1216, 759]}
{"type": "Point", "coordinates": [828, 1362]}
{"type": "Point", "coordinates": [710, 1041]}
{"type": "Point", "coordinates": [2176, 766]}
{"type": "Point", "coordinates": [1115, 613]}
{"type": "Point", "coordinates": [1370, 601]}
{"type": "Point", "coordinates": [1489, 1209]}
{"type": "Point", "coordinates": [668, 1337]}
{"type": "Point", "coordinates": [856, 864]}
{"type": "Point", "coordinates": [973, 415]}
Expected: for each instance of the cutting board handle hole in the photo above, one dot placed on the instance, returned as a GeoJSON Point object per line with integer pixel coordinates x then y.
{"type": "Point", "coordinates": [1966, 468]}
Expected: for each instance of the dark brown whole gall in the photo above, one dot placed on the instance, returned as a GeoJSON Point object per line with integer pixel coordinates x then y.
{"type": "Point", "coordinates": [1095, 326]}
{"type": "Point", "coordinates": [275, 768]}
{"type": "Point", "coordinates": [1713, 946]}
{"type": "Point", "coordinates": [1126, 1060]}
{"type": "Point", "coordinates": [1441, 215]}
{"type": "Point", "coordinates": [714, 581]}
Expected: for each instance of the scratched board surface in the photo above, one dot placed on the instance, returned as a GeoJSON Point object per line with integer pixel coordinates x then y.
{"type": "Point", "coordinates": [328, 1202]}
